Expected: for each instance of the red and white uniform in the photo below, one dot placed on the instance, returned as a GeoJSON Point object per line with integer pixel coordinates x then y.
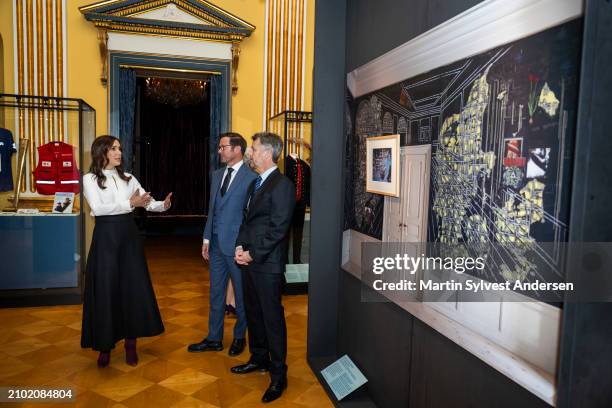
{"type": "Point", "coordinates": [56, 170]}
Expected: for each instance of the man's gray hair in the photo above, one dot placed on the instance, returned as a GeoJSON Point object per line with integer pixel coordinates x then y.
{"type": "Point", "coordinates": [271, 141]}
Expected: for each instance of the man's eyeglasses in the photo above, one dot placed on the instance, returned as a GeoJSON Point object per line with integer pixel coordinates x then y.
{"type": "Point", "coordinates": [221, 147]}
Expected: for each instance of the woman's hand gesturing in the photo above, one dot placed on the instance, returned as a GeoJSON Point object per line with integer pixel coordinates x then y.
{"type": "Point", "coordinates": [140, 200]}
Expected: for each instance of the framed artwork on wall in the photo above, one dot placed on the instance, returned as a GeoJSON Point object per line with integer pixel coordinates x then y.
{"type": "Point", "coordinates": [382, 165]}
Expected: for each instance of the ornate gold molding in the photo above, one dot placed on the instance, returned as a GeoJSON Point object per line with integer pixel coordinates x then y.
{"type": "Point", "coordinates": [103, 48]}
{"type": "Point", "coordinates": [235, 60]}
{"type": "Point", "coordinates": [125, 17]}
{"type": "Point", "coordinates": [139, 28]}
{"type": "Point", "coordinates": [143, 8]}
{"type": "Point", "coordinates": [178, 70]}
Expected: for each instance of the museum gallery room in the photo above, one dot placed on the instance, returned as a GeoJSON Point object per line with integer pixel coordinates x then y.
{"type": "Point", "coordinates": [350, 203]}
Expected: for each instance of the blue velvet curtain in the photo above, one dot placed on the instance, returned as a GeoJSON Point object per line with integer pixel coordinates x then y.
{"type": "Point", "coordinates": [215, 119]}
{"type": "Point", "coordinates": [127, 105]}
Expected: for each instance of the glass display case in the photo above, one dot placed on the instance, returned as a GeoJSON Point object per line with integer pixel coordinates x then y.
{"type": "Point", "coordinates": [295, 127]}
{"type": "Point", "coordinates": [42, 226]}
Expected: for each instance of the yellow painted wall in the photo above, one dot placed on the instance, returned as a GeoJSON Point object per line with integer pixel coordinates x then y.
{"type": "Point", "coordinates": [83, 66]}
{"type": "Point", "coordinates": [83, 63]}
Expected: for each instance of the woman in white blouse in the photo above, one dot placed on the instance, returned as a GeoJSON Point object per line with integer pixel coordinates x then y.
{"type": "Point", "coordinates": [119, 302]}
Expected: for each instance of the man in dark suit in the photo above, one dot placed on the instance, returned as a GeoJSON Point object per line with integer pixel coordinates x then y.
{"type": "Point", "coordinates": [229, 193]}
{"type": "Point", "coordinates": [261, 249]}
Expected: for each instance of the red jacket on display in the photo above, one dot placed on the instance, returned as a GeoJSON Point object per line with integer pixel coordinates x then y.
{"type": "Point", "coordinates": [56, 170]}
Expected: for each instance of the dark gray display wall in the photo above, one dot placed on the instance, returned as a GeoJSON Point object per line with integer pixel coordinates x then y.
{"type": "Point", "coordinates": [585, 372]}
{"type": "Point", "coordinates": [375, 27]}
{"type": "Point", "coordinates": [407, 363]}
{"type": "Point", "coordinates": [326, 180]}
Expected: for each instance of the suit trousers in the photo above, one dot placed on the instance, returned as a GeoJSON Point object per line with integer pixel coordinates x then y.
{"type": "Point", "coordinates": [222, 267]}
{"type": "Point", "coordinates": [266, 319]}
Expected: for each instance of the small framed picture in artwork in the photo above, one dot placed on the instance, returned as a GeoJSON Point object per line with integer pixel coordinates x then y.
{"type": "Point", "coordinates": [382, 165]}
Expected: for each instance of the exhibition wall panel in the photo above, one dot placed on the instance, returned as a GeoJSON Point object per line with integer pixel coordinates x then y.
{"type": "Point", "coordinates": [440, 371]}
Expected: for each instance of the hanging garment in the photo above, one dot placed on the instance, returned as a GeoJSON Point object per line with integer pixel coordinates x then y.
{"type": "Point", "coordinates": [7, 149]}
{"type": "Point", "coordinates": [56, 170]}
{"type": "Point", "coordinates": [298, 171]}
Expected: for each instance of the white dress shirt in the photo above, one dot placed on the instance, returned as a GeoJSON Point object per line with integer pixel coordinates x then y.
{"type": "Point", "coordinates": [115, 198]}
{"type": "Point", "coordinates": [266, 173]}
{"type": "Point", "coordinates": [236, 167]}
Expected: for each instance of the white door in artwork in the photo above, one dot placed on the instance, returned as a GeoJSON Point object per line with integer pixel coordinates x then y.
{"type": "Point", "coordinates": [405, 217]}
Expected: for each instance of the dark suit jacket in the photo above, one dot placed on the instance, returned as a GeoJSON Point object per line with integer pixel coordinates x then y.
{"type": "Point", "coordinates": [266, 223]}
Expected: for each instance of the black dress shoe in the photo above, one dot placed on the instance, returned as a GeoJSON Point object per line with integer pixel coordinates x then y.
{"type": "Point", "coordinates": [275, 390]}
{"type": "Point", "coordinates": [205, 345]}
{"type": "Point", "coordinates": [237, 347]}
{"type": "Point", "coordinates": [248, 368]}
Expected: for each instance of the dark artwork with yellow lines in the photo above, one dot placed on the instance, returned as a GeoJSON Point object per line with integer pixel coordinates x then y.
{"type": "Point", "coordinates": [501, 125]}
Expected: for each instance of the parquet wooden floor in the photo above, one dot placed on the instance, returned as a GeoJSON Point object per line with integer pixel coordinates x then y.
{"type": "Point", "coordinates": [40, 346]}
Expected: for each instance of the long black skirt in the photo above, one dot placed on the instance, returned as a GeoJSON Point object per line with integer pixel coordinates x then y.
{"type": "Point", "coordinates": [119, 300]}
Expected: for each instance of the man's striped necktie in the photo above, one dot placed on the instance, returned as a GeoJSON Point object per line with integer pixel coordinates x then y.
{"type": "Point", "coordinates": [257, 183]}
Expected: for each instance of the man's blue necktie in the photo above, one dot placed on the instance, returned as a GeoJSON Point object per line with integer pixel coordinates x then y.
{"type": "Point", "coordinates": [257, 183]}
{"type": "Point", "coordinates": [257, 187]}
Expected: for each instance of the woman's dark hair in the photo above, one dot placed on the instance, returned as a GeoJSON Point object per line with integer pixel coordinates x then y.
{"type": "Point", "coordinates": [99, 150]}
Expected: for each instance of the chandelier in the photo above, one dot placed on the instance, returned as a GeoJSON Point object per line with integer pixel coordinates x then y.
{"type": "Point", "coordinates": [175, 92]}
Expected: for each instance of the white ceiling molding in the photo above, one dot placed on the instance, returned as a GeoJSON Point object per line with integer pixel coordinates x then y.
{"type": "Point", "coordinates": [485, 26]}
{"type": "Point", "coordinates": [169, 46]}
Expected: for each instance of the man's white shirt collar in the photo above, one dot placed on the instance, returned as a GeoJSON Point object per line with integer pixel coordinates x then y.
{"type": "Point", "coordinates": [236, 167]}
{"type": "Point", "coordinates": [266, 173]}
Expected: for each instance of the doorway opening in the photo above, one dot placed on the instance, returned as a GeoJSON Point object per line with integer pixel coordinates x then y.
{"type": "Point", "coordinates": [171, 149]}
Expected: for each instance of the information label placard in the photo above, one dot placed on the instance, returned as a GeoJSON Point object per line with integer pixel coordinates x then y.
{"type": "Point", "coordinates": [343, 377]}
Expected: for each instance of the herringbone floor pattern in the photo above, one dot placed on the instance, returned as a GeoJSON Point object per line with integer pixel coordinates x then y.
{"type": "Point", "coordinates": [41, 347]}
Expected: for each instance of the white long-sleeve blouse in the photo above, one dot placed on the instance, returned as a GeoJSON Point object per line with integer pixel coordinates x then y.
{"type": "Point", "coordinates": [115, 198]}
